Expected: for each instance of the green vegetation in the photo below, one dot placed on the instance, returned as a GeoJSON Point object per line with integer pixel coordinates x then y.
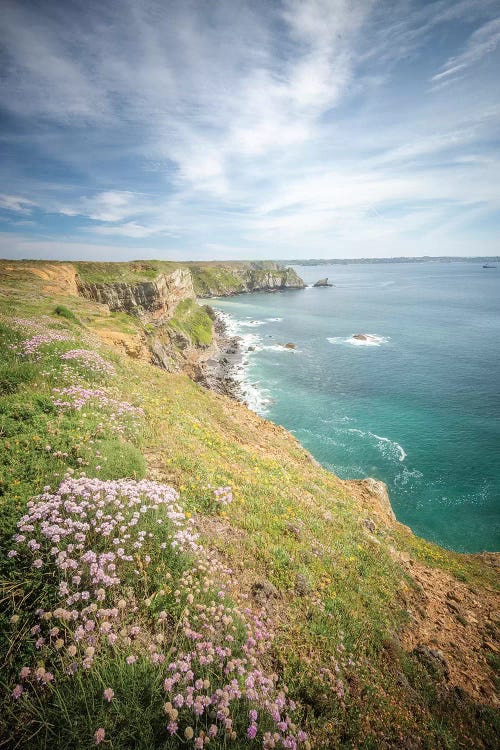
{"type": "Point", "coordinates": [126, 273]}
{"type": "Point", "coordinates": [194, 321]}
{"type": "Point", "coordinates": [64, 312]}
{"type": "Point", "coordinates": [210, 279]}
{"type": "Point", "coordinates": [336, 597]}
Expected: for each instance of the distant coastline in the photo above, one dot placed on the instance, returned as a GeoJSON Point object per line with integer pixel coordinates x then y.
{"type": "Point", "coordinates": [402, 259]}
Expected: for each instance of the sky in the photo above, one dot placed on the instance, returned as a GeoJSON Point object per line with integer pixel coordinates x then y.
{"type": "Point", "coordinates": [246, 129]}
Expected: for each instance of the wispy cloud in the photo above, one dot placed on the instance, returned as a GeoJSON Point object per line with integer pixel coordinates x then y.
{"type": "Point", "coordinates": [16, 203]}
{"type": "Point", "coordinates": [482, 42]}
{"type": "Point", "coordinates": [255, 127]}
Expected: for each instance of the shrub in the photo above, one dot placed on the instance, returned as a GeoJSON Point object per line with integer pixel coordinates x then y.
{"type": "Point", "coordinates": [64, 312]}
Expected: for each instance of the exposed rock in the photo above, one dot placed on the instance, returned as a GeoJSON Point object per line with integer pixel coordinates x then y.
{"type": "Point", "coordinates": [322, 282]}
{"type": "Point", "coordinates": [459, 611]}
{"type": "Point", "coordinates": [60, 278]}
{"type": "Point", "coordinates": [369, 525]}
{"type": "Point", "coordinates": [434, 659]}
{"type": "Point", "coordinates": [151, 300]}
{"type": "Point", "coordinates": [361, 337]}
{"type": "Point", "coordinates": [290, 346]}
{"type": "Point", "coordinates": [239, 279]}
{"type": "Point", "coordinates": [373, 494]}
{"type": "Point", "coordinates": [263, 591]}
{"type": "Point", "coordinates": [302, 585]}
{"type": "Point", "coordinates": [133, 346]}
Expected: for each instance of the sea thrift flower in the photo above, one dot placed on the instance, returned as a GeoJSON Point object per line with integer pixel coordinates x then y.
{"type": "Point", "coordinates": [252, 731]}
{"type": "Point", "coordinates": [90, 360]}
{"type": "Point", "coordinates": [99, 735]}
{"type": "Point", "coordinates": [17, 692]}
{"type": "Point", "coordinates": [109, 694]}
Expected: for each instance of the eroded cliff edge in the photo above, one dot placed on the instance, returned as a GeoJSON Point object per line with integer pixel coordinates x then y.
{"type": "Point", "coordinates": [175, 333]}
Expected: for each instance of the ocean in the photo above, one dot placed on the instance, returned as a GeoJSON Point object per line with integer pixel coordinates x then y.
{"type": "Point", "coordinates": [417, 405]}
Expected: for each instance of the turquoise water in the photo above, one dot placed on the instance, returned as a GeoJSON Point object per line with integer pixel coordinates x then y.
{"type": "Point", "coordinates": [419, 408]}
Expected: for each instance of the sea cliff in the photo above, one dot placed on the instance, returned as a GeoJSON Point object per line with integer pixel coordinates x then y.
{"type": "Point", "coordinates": [177, 334]}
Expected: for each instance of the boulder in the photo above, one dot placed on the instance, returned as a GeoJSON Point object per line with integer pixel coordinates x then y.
{"type": "Point", "coordinates": [263, 591]}
{"type": "Point", "coordinates": [302, 585]}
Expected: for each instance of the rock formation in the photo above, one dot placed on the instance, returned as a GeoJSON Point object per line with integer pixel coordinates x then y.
{"type": "Point", "coordinates": [322, 282]}
{"type": "Point", "coordinates": [151, 300]}
{"type": "Point", "coordinates": [227, 280]}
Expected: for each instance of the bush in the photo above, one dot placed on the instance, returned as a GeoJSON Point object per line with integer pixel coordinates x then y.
{"type": "Point", "coordinates": [63, 312]}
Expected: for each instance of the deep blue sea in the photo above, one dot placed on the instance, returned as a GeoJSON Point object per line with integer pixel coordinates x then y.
{"type": "Point", "coordinates": [418, 406]}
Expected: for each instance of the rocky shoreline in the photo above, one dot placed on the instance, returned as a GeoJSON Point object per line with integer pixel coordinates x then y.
{"type": "Point", "coordinates": [220, 372]}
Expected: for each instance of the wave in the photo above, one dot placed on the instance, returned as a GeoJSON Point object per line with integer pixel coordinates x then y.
{"type": "Point", "coordinates": [372, 339]}
{"type": "Point", "coordinates": [252, 323]}
{"type": "Point", "coordinates": [386, 445]}
{"type": "Point", "coordinates": [276, 348]}
{"type": "Point", "coordinates": [274, 320]}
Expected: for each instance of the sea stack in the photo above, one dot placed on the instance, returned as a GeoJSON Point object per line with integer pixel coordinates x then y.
{"type": "Point", "coordinates": [322, 282]}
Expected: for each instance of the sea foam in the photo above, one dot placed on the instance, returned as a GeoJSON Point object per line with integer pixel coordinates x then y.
{"type": "Point", "coordinates": [372, 339]}
{"type": "Point", "coordinates": [389, 448]}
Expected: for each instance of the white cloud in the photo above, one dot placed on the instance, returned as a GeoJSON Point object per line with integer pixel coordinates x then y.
{"type": "Point", "coordinates": [16, 203]}
{"type": "Point", "coordinates": [110, 206]}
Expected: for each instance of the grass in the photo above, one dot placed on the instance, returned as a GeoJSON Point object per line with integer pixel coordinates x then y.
{"type": "Point", "coordinates": [213, 280]}
{"type": "Point", "coordinates": [128, 273]}
{"type": "Point", "coordinates": [194, 321]}
{"type": "Point", "coordinates": [342, 631]}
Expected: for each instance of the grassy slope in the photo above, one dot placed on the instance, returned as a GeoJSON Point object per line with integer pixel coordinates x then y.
{"type": "Point", "coordinates": [291, 523]}
{"type": "Point", "coordinates": [194, 321]}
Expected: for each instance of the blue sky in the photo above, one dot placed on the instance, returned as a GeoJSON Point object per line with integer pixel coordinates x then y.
{"type": "Point", "coordinates": [249, 129]}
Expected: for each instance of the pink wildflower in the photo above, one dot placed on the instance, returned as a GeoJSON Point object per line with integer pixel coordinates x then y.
{"type": "Point", "coordinates": [109, 694]}
{"type": "Point", "coordinates": [172, 727]}
{"type": "Point", "coordinates": [17, 692]}
{"type": "Point", "coordinates": [252, 731]}
{"type": "Point", "coordinates": [99, 735]}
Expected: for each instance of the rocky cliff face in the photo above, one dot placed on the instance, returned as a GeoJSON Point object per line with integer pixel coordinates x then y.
{"type": "Point", "coordinates": [225, 281]}
{"type": "Point", "coordinates": [270, 280]}
{"type": "Point", "coordinates": [156, 303]}
{"type": "Point", "coordinates": [151, 300]}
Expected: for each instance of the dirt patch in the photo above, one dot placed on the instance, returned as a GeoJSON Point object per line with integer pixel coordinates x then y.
{"type": "Point", "coordinates": [60, 278]}
{"type": "Point", "coordinates": [127, 343]}
{"type": "Point", "coordinates": [451, 618]}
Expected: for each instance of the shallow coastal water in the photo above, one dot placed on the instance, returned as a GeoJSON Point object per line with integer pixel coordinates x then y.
{"type": "Point", "coordinates": [416, 405]}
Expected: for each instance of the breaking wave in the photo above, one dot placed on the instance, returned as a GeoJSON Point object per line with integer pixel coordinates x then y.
{"type": "Point", "coordinates": [371, 339]}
